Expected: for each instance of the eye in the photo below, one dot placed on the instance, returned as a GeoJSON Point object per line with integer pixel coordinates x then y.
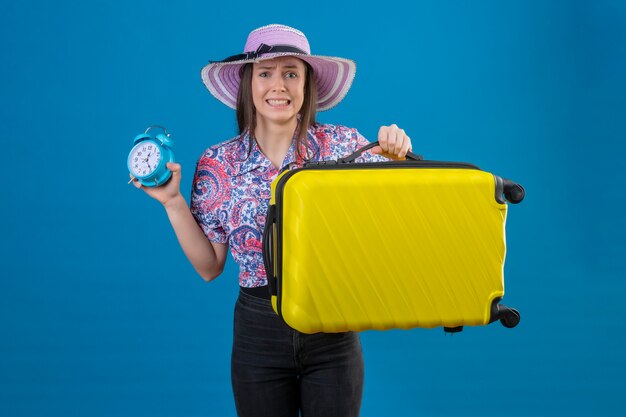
{"type": "Point", "coordinates": [263, 74]}
{"type": "Point", "coordinates": [291, 75]}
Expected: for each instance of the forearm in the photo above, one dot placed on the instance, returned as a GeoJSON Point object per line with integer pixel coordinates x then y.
{"type": "Point", "coordinates": [199, 250]}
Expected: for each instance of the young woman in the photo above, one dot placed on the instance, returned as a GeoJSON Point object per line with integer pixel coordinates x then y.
{"type": "Point", "coordinates": [276, 86]}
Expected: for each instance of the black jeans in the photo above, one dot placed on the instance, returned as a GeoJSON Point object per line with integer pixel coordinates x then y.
{"type": "Point", "coordinates": [278, 371]}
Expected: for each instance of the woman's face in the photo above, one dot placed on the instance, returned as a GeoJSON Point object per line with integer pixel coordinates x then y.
{"type": "Point", "coordinates": [278, 89]}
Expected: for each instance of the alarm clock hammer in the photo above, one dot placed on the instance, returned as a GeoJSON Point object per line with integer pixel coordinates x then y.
{"type": "Point", "coordinates": [148, 157]}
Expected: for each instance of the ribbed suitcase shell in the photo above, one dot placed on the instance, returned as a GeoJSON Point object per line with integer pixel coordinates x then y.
{"type": "Point", "coordinates": [385, 245]}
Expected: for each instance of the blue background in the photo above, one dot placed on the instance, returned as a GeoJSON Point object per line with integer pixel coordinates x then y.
{"type": "Point", "coordinates": [101, 314]}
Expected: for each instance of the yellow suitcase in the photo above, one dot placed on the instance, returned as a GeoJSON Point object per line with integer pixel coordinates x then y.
{"type": "Point", "coordinates": [400, 244]}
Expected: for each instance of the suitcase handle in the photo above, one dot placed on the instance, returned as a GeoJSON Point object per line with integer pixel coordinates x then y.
{"type": "Point", "coordinates": [358, 152]}
{"type": "Point", "coordinates": [267, 245]}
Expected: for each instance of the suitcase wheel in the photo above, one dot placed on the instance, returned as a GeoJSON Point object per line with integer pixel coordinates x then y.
{"type": "Point", "coordinates": [514, 193]}
{"type": "Point", "coordinates": [453, 330]}
{"type": "Point", "coordinates": [510, 318]}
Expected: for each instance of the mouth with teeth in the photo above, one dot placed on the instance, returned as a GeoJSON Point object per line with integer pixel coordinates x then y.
{"type": "Point", "coordinates": [278, 102]}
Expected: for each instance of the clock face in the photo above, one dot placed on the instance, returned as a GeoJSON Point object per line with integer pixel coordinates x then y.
{"type": "Point", "coordinates": [144, 158]}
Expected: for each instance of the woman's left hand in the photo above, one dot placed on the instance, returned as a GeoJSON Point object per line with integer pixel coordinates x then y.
{"type": "Point", "coordinates": [393, 142]}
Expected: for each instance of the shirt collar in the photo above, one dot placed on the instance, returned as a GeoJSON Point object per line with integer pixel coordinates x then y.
{"type": "Point", "coordinates": [246, 159]}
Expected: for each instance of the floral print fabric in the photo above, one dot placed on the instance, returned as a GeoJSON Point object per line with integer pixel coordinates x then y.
{"type": "Point", "coordinates": [232, 188]}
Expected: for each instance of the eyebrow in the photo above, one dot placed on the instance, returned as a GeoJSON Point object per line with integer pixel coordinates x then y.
{"type": "Point", "coordinates": [260, 66]}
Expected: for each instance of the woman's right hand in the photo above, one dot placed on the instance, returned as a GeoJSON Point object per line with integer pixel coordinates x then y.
{"type": "Point", "coordinates": [169, 190]}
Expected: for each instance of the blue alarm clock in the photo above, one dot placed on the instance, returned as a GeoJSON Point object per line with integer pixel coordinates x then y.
{"type": "Point", "coordinates": [147, 158]}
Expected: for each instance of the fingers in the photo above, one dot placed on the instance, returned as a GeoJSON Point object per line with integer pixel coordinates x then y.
{"type": "Point", "coordinates": [176, 172]}
{"type": "Point", "coordinates": [391, 138]}
{"type": "Point", "coordinates": [174, 167]}
{"type": "Point", "coordinates": [394, 141]}
{"type": "Point", "coordinates": [383, 138]}
{"type": "Point", "coordinates": [136, 183]}
{"type": "Point", "coordinates": [406, 145]}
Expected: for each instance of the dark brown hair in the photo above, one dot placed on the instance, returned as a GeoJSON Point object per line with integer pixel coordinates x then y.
{"type": "Point", "coordinates": [246, 112]}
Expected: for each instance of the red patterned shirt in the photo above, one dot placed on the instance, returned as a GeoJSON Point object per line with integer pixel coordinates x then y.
{"type": "Point", "coordinates": [231, 190]}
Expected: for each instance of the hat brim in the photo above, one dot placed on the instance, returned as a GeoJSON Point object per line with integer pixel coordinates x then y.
{"type": "Point", "coordinates": [333, 78]}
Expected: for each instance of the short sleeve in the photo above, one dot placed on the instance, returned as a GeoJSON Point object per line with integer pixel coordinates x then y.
{"type": "Point", "coordinates": [207, 196]}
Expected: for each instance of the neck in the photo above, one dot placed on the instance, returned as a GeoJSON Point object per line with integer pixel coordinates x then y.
{"type": "Point", "coordinates": [274, 139]}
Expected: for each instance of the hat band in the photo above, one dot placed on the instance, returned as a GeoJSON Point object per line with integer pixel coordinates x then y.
{"type": "Point", "coordinates": [262, 49]}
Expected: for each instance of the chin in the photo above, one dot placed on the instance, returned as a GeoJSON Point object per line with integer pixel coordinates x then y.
{"type": "Point", "coordinates": [280, 118]}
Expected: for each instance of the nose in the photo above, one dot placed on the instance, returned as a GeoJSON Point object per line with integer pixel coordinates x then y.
{"type": "Point", "coordinates": [279, 84]}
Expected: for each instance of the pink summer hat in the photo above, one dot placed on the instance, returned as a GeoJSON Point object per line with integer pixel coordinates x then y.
{"type": "Point", "coordinates": [333, 75]}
